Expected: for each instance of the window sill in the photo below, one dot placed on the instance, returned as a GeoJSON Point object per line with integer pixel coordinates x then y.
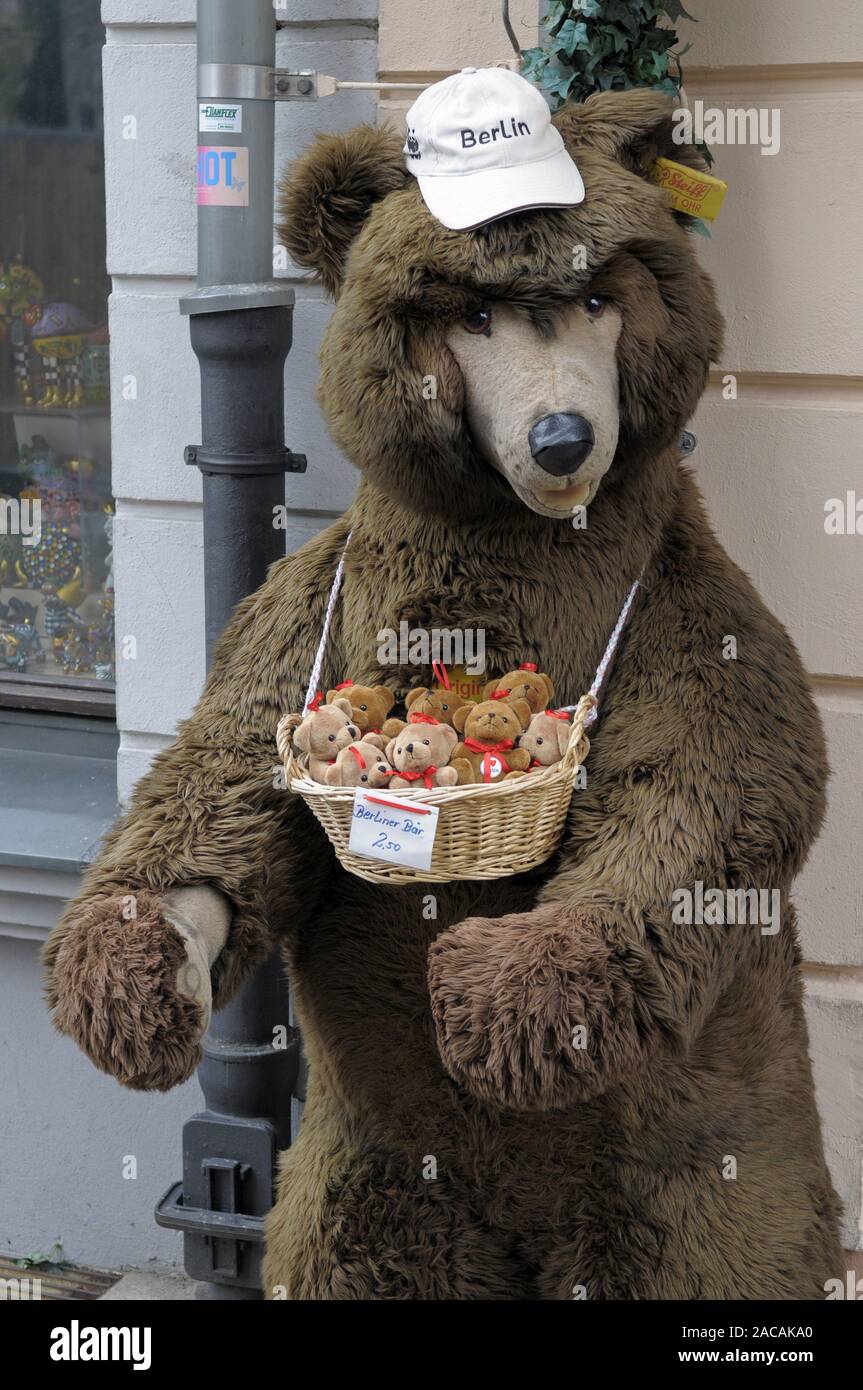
{"type": "Point", "coordinates": [58, 797]}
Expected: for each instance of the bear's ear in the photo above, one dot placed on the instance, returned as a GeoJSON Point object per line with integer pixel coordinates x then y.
{"type": "Point", "coordinates": [636, 128]}
{"type": "Point", "coordinates": [302, 739]}
{"type": "Point", "coordinates": [386, 695]}
{"type": "Point", "coordinates": [449, 736]}
{"type": "Point", "coordinates": [522, 711]}
{"type": "Point", "coordinates": [413, 695]}
{"type": "Point", "coordinates": [489, 688]}
{"type": "Point", "coordinates": [564, 729]}
{"type": "Point", "coordinates": [325, 197]}
{"type": "Point", "coordinates": [390, 751]}
{"type": "Point", "coordinates": [460, 717]}
{"type": "Point", "coordinates": [549, 687]}
{"type": "Point", "coordinates": [344, 705]}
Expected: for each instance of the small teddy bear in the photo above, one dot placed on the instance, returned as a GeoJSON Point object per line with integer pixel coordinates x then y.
{"type": "Point", "coordinates": [421, 754]}
{"type": "Point", "coordinates": [490, 730]}
{"type": "Point", "coordinates": [370, 704]}
{"type": "Point", "coordinates": [434, 704]}
{"type": "Point", "coordinates": [524, 684]}
{"type": "Point", "coordinates": [323, 732]}
{"type": "Point", "coordinates": [546, 738]}
{"type": "Point", "coordinates": [361, 764]}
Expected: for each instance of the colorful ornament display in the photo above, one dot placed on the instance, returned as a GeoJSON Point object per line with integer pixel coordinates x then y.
{"type": "Point", "coordinates": [20, 290]}
{"type": "Point", "coordinates": [58, 333]}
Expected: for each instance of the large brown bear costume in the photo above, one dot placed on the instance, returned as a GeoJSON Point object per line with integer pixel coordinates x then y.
{"type": "Point", "coordinates": [557, 1170]}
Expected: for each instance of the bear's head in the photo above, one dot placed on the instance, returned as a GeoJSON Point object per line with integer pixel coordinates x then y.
{"type": "Point", "coordinates": [361, 764]}
{"type": "Point", "coordinates": [521, 364]}
{"type": "Point", "coordinates": [434, 704]}
{"type": "Point", "coordinates": [546, 738]}
{"type": "Point", "coordinates": [524, 684]}
{"type": "Point", "coordinates": [370, 704]}
{"type": "Point", "coordinates": [420, 746]}
{"type": "Point", "coordinates": [493, 721]}
{"type": "Point", "coordinates": [325, 730]}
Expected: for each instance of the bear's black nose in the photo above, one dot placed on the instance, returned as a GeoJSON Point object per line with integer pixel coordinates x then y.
{"type": "Point", "coordinates": [561, 443]}
{"type": "Point", "coordinates": [409, 748]}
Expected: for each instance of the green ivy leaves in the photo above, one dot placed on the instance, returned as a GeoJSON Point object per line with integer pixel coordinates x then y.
{"type": "Point", "coordinates": [603, 45]}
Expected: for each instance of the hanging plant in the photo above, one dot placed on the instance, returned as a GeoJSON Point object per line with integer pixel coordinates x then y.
{"type": "Point", "coordinates": [610, 45]}
{"type": "Point", "coordinates": [606, 45]}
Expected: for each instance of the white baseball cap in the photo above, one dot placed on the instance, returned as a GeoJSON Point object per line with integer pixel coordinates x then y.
{"type": "Point", "coordinates": [482, 145]}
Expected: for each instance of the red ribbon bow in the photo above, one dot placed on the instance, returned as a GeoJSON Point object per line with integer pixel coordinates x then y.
{"type": "Point", "coordinates": [344, 685]}
{"type": "Point", "coordinates": [500, 694]}
{"type": "Point", "coordinates": [422, 719]}
{"type": "Point", "coordinates": [357, 754]}
{"type": "Point", "coordinates": [427, 776]}
{"type": "Point", "coordinates": [558, 714]}
{"type": "Point", "coordinates": [440, 673]}
{"type": "Point", "coordinates": [477, 745]}
{"type": "Point", "coordinates": [527, 666]}
{"type": "Point", "coordinates": [315, 703]}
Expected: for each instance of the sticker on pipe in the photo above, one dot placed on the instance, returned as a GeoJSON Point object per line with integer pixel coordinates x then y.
{"type": "Point", "coordinates": [223, 176]}
{"type": "Point", "coordinates": [220, 116]}
{"type": "Point", "coordinates": [399, 832]}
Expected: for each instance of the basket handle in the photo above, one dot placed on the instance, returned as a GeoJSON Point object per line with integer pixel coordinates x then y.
{"type": "Point", "coordinates": [589, 714]}
{"type": "Point", "coordinates": [325, 631]}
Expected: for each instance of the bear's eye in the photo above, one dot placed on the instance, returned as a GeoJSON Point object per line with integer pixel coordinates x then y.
{"type": "Point", "coordinates": [426, 742]}
{"type": "Point", "coordinates": [332, 738]}
{"type": "Point", "coordinates": [478, 322]}
{"type": "Point", "coordinates": [444, 708]}
{"type": "Point", "coordinates": [595, 305]}
{"type": "Point", "coordinates": [539, 740]}
{"type": "Point", "coordinates": [364, 778]}
{"type": "Point", "coordinates": [364, 708]}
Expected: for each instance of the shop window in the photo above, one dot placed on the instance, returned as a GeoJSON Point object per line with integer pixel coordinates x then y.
{"type": "Point", "coordinates": [56, 508]}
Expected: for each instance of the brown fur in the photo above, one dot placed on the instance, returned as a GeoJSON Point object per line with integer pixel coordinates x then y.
{"type": "Point", "coordinates": [552, 1168]}
{"type": "Point", "coordinates": [113, 983]}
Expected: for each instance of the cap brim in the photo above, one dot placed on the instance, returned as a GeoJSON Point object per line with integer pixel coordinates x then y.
{"type": "Point", "coordinates": [461, 201]}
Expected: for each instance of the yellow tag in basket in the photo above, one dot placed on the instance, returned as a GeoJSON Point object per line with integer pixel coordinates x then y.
{"type": "Point", "coordinates": [689, 191]}
{"type": "Point", "coordinates": [461, 682]}
{"type": "Point", "coordinates": [385, 827]}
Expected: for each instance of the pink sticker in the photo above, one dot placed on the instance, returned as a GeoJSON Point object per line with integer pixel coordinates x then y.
{"type": "Point", "coordinates": [223, 176]}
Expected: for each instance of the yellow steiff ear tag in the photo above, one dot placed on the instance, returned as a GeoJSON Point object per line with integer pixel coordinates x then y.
{"type": "Point", "coordinates": [689, 191]}
{"type": "Point", "coordinates": [468, 686]}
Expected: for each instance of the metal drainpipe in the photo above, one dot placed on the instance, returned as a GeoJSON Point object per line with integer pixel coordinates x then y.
{"type": "Point", "coordinates": [241, 322]}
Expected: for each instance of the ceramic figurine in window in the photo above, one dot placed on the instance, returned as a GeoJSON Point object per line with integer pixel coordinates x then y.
{"type": "Point", "coordinates": [20, 289]}
{"type": "Point", "coordinates": [58, 332]}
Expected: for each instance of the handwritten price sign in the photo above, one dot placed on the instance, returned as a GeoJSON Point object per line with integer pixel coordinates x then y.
{"type": "Point", "coordinates": [400, 832]}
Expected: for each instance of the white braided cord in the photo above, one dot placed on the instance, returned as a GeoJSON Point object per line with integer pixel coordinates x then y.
{"type": "Point", "coordinates": [328, 620]}
{"type": "Point", "coordinates": [598, 679]}
{"type": "Point", "coordinates": [610, 649]}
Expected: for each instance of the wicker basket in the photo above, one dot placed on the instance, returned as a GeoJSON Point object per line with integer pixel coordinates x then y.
{"type": "Point", "coordinates": [483, 830]}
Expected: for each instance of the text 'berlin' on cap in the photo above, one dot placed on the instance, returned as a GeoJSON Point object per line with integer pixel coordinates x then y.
{"type": "Point", "coordinates": [482, 145]}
